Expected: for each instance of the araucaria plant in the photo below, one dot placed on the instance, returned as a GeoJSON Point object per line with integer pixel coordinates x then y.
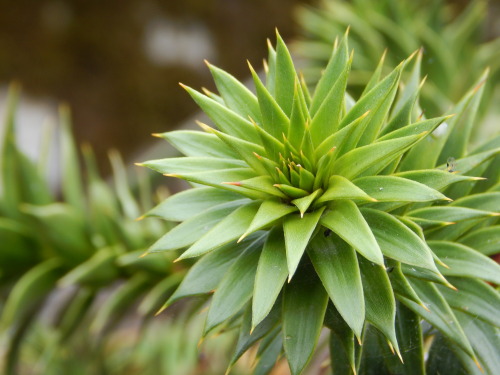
{"type": "Point", "coordinates": [315, 209]}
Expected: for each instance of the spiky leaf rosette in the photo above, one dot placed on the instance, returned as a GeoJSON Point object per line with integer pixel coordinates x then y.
{"type": "Point", "coordinates": [311, 209]}
{"type": "Point", "coordinates": [456, 47]}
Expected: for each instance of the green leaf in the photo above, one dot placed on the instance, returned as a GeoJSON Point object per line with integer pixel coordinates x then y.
{"type": "Point", "coordinates": [225, 119]}
{"type": "Point", "coordinates": [378, 154]}
{"type": "Point", "coordinates": [64, 227]}
{"type": "Point", "coordinates": [380, 304]}
{"type": "Point", "coordinates": [205, 275]}
{"type": "Point", "coordinates": [116, 305]}
{"type": "Point", "coordinates": [345, 139]}
{"type": "Point", "coordinates": [345, 219]}
{"type": "Point", "coordinates": [449, 213]}
{"type": "Point", "coordinates": [336, 264]}
{"type": "Point", "coordinates": [414, 129]}
{"type": "Point", "coordinates": [125, 197]}
{"type": "Point", "coordinates": [235, 289]}
{"type": "Point", "coordinates": [473, 297]}
{"type": "Point", "coordinates": [198, 144]}
{"type": "Point", "coordinates": [193, 164]}
{"type": "Point", "coordinates": [228, 229]}
{"type": "Point", "coordinates": [100, 269]}
{"type": "Point", "coordinates": [327, 119]}
{"type": "Point", "coordinates": [341, 188]}
{"type": "Point", "coordinates": [400, 283]}
{"type": "Point", "coordinates": [71, 182]}
{"type": "Point", "coordinates": [154, 300]}
{"type": "Point", "coordinates": [271, 274]}
{"type": "Point", "coordinates": [409, 335]}
{"type": "Point", "coordinates": [461, 128]}
{"type": "Point", "coordinates": [485, 240]}
{"type": "Point", "coordinates": [236, 96]}
{"type": "Point", "coordinates": [297, 127]}
{"type": "Point", "coordinates": [465, 261]}
{"type": "Point", "coordinates": [267, 356]}
{"type": "Point", "coordinates": [397, 241]}
{"type": "Point", "coordinates": [439, 315]}
{"type": "Point", "coordinates": [269, 211]}
{"type": "Point", "coordinates": [333, 70]}
{"type": "Point", "coordinates": [285, 76]}
{"type": "Point", "coordinates": [31, 288]}
{"type": "Point", "coordinates": [341, 343]}
{"type": "Point", "coordinates": [378, 101]}
{"type": "Point", "coordinates": [304, 203]}
{"type": "Point", "coordinates": [262, 184]}
{"type": "Point", "coordinates": [188, 203]}
{"type": "Point", "coordinates": [304, 307]}
{"type": "Point", "coordinates": [292, 191]}
{"type": "Point", "coordinates": [434, 178]}
{"type": "Point", "coordinates": [298, 230]}
{"type": "Point", "coordinates": [274, 120]}
{"type": "Point", "coordinates": [397, 189]}
{"type": "Point", "coordinates": [195, 227]}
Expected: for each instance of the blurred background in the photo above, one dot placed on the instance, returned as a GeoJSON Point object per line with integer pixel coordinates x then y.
{"type": "Point", "coordinates": [118, 63]}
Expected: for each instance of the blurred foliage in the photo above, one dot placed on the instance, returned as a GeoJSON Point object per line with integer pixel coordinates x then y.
{"type": "Point", "coordinates": [457, 42]}
{"type": "Point", "coordinates": [163, 346]}
{"type": "Point", "coordinates": [77, 245]}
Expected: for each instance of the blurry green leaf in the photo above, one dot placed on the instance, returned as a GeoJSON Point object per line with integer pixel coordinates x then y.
{"type": "Point", "coordinates": [116, 305]}
{"type": "Point", "coordinates": [98, 270]}
{"type": "Point", "coordinates": [31, 288]}
{"type": "Point", "coordinates": [64, 227]}
{"type": "Point", "coordinates": [71, 181]}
